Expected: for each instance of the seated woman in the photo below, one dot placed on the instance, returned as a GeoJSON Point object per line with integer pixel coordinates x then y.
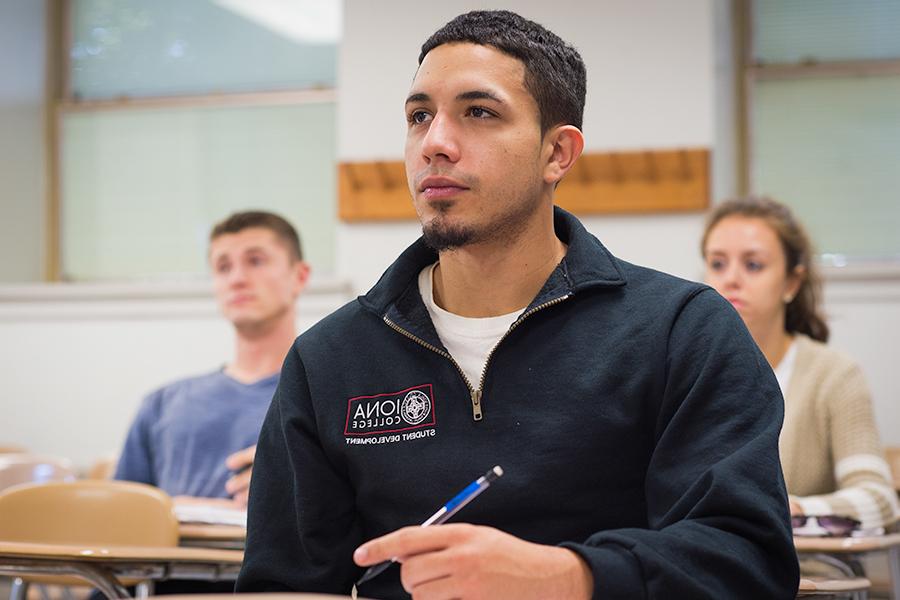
{"type": "Point", "coordinates": [760, 259]}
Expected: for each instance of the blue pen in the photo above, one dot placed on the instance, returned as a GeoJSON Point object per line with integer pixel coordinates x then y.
{"type": "Point", "coordinates": [443, 513]}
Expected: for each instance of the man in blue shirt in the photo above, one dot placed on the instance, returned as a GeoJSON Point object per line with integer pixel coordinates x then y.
{"type": "Point", "coordinates": [197, 436]}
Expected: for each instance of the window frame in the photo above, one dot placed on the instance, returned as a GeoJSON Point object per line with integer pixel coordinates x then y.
{"type": "Point", "coordinates": [59, 102]}
{"type": "Point", "coordinates": [748, 73]}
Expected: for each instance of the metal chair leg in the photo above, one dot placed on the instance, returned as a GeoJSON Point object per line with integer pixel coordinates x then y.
{"type": "Point", "coordinates": [143, 590]}
{"type": "Point", "coordinates": [894, 568]}
{"type": "Point", "coordinates": [19, 589]}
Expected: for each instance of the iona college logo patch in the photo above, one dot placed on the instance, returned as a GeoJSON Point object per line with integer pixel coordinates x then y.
{"type": "Point", "coordinates": [412, 408]}
{"type": "Point", "coordinates": [415, 408]}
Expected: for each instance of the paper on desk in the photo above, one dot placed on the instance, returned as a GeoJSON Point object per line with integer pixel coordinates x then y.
{"type": "Point", "coordinates": [214, 515]}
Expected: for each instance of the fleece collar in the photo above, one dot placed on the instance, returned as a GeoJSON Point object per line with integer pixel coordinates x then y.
{"type": "Point", "coordinates": [587, 264]}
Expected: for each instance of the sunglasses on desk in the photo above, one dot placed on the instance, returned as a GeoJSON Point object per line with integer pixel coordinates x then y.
{"type": "Point", "coordinates": [824, 525]}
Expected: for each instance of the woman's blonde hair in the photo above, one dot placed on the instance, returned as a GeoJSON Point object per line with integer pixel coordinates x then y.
{"type": "Point", "coordinates": [802, 314]}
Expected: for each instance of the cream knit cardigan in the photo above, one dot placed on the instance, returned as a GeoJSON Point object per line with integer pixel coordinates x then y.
{"type": "Point", "coordinates": [830, 451]}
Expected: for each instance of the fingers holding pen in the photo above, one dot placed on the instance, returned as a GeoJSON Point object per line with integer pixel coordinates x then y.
{"type": "Point", "coordinates": [407, 542]}
{"type": "Point", "coordinates": [425, 575]}
{"type": "Point", "coordinates": [427, 555]}
{"type": "Point", "coordinates": [431, 557]}
{"type": "Point", "coordinates": [474, 562]}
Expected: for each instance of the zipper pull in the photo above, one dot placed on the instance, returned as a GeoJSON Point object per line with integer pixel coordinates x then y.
{"type": "Point", "coordinates": [476, 405]}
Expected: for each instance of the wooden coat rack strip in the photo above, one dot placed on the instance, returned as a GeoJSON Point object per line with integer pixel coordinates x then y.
{"type": "Point", "coordinates": [600, 183]}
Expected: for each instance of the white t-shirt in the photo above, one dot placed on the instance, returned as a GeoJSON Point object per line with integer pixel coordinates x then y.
{"type": "Point", "coordinates": [468, 339]}
{"type": "Point", "coordinates": [785, 368]}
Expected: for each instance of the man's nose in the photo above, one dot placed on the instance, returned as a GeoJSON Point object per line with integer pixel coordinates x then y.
{"type": "Point", "coordinates": [237, 275]}
{"type": "Point", "coordinates": [440, 141]}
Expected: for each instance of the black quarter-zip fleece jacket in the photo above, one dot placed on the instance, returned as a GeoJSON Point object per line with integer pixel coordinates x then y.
{"type": "Point", "coordinates": [635, 419]}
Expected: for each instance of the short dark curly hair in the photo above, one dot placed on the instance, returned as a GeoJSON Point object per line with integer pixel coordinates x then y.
{"type": "Point", "coordinates": [554, 71]}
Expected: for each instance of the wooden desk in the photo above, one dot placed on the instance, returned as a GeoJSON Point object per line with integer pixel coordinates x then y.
{"type": "Point", "coordinates": [844, 545]}
{"type": "Point", "coordinates": [844, 553]}
{"type": "Point", "coordinates": [212, 536]}
{"type": "Point", "coordinates": [105, 566]}
{"type": "Point", "coordinates": [817, 587]}
{"type": "Point", "coordinates": [261, 596]}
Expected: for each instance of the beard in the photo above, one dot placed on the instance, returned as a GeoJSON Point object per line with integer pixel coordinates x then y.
{"type": "Point", "coordinates": [439, 235]}
{"type": "Point", "coordinates": [442, 234]}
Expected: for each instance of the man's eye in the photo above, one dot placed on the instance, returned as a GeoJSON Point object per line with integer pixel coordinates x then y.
{"type": "Point", "coordinates": [417, 117]}
{"type": "Point", "coordinates": [754, 266]}
{"type": "Point", "coordinates": [716, 265]}
{"type": "Point", "coordinates": [222, 268]}
{"type": "Point", "coordinates": [480, 113]}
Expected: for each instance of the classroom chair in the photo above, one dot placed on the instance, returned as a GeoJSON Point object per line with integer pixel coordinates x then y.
{"type": "Point", "coordinates": [854, 588]}
{"type": "Point", "coordinates": [103, 468]}
{"type": "Point", "coordinates": [90, 513]}
{"type": "Point", "coordinates": [29, 468]}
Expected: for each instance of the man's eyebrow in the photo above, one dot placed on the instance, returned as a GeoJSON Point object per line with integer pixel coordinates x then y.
{"type": "Point", "coordinates": [418, 97]}
{"type": "Point", "coordinates": [471, 95]}
{"type": "Point", "coordinates": [479, 95]}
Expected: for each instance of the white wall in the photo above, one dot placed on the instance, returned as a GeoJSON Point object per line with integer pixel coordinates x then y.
{"type": "Point", "coordinates": [22, 54]}
{"type": "Point", "coordinates": [76, 360]}
{"type": "Point", "coordinates": [863, 311]}
{"type": "Point", "coordinates": [650, 71]}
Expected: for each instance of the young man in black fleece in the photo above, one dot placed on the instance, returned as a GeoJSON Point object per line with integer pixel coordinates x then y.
{"type": "Point", "coordinates": [635, 419]}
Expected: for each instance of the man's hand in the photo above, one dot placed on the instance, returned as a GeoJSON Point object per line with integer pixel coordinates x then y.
{"type": "Point", "coordinates": [472, 562]}
{"type": "Point", "coordinates": [238, 486]}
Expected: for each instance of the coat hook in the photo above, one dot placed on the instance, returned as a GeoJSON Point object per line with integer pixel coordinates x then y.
{"type": "Point", "coordinates": [618, 175]}
{"type": "Point", "coordinates": [350, 170]}
{"type": "Point", "coordinates": [650, 172]}
{"type": "Point", "coordinates": [583, 171]}
{"type": "Point", "coordinates": [685, 164]}
{"type": "Point", "coordinates": [384, 173]}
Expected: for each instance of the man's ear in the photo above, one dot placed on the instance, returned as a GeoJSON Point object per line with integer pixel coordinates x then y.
{"type": "Point", "coordinates": [300, 276]}
{"type": "Point", "coordinates": [563, 145]}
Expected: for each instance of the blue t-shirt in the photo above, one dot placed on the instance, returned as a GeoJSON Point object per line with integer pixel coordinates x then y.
{"type": "Point", "coordinates": [184, 431]}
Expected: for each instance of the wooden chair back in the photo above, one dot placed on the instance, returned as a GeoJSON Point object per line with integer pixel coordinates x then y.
{"type": "Point", "coordinates": [29, 468]}
{"type": "Point", "coordinates": [103, 468]}
{"type": "Point", "coordinates": [88, 513]}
